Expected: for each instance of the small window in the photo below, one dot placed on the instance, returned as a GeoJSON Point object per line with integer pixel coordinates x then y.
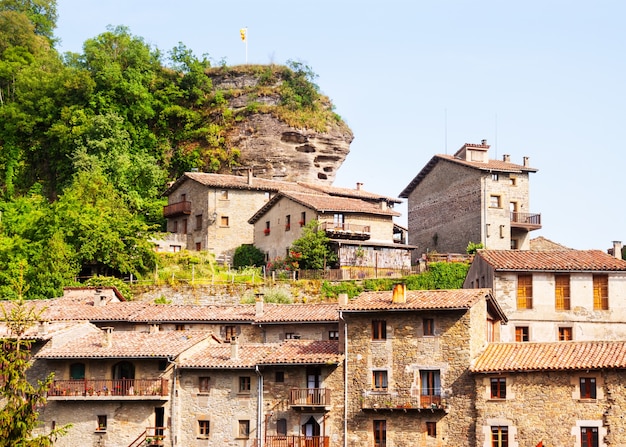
{"type": "Point", "coordinates": [230, 332]}
{"type": "Point", "coordinates": [495, 177]}
{"type": "Point", "coordinates": [224, 221]}
{"type": "Point", "coordinates": [600, 292]}
{"type": "Point", "coordinates": [522, 333]}
{"type": "Point", "coordinates": [184, 230]}
{"type": "Point", "coordinates": [267, 229]}
{"type": "Point", "coordinates": [244, 384]}
{"type": "Point", "coordinates": [302, 218]}
{"type": "Point", "coordinates": [176, 248]}
{"type": "Point", "coordinates": [514, 244]}
{"type": "Point", "coordinates": [566, 334]}
{"type": "Point", "coordinates": [288, 222]}
{"type": "Point", "coordinates": [380, 433]}
{"type": "Point", "coordinates": [495, 202]}
{"type": "Point", "coordinates": [513, 181]}
{"type": "Point", "coordinates": [431, 429]}
{"type": "Point", "coordinates": [183, 197]}
{"type": "Point", "coordinates": [175, 226]}
{"type": "Point", "coordinates": [587, 387]}
{"type": "Point", "coordinates": [498, 388]}
{"type": "Point", "coordinates": [199, 222]}
{"type": "Point", "coordinates": [244, 428]}
{"type": "Point", "coordinates": [224, 195]}
{"type": "Point", "coordinates": [429, 326]}
{"type": "Point", "coordinates": [500, 436]}
{"type": "Point", "coordinates": [102, 422]}
{"type": "Point", "coordinates": [290, 336]}
{"type": "Point", "coordinates": [589, 437]}
{"type": "Point", "coordinates": [379, 380]}
{"type": "Point", "coordinates": [524, 291]}
{"type": "Point", "coordinates": [379, 330]}
{"type": "Point", "coordinates": [77, 371]}
{"type": "Point", "coordinates": [180, 327]}
{"type": "Point", "coordinates": [280, 377]}
{"type": "Point", "coordinates": [333, 335]}
{"type": "Point", "coordinates": [204, 428]}
{"type": "Point", "coordinates": [198, 246]}
{"type": "Point", "coordinates": [281, 427]}
{"type": "Point", "coordinates": [204, 384]}
{"type": "Point", "coordinates": [561, 292]}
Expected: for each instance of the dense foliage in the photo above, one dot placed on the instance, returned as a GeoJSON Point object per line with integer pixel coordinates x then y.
{"type": "Point", "coordinates": [312, 250]}
{"type": "Point", "coordinates": [247, 255]}
{"type": "Point", "coordinates": [89, 141]}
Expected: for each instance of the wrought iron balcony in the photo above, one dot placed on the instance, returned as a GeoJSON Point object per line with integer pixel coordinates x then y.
{"type": "Point", "coordinates": [109, 389]}
{"type": "Point", "coordinates": [384, 401]}
{"type": "Point", "coordinates": [343, 230]}
{"type": "Point", "coordinates": [526, 221]}
{"type": "Point", "coordinates": [307, 398]}
{"type": "Point", "coordinates": [297, 441]}
{"type": "Point", "coordinates": [177, 209]}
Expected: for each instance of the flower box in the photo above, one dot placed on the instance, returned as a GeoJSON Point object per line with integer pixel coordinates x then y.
{"type": "Point", "coordinates": [266, 231]}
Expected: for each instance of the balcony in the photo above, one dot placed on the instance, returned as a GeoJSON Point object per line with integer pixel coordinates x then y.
{"type": "Point", "coordinates": [297, 441]}
{"type": "Point", "coordinates": [526, 221]}
{"type": "Point", "coordinates": [339, 230]}
{"type": "Point", "coordinates": [309, 398]}
{"type": "Point", "coordinates": [391, 402]}
{"type": "Point", "coordinates": [177, 209]}
{"type": "Point", "coordinates": [106, 389]}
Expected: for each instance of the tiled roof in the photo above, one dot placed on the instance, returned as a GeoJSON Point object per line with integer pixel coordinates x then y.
{"type": "Point", "coordinates": [157, 313]}
{"type": "Point", "coordinates": [289, 352]}
{"type": "Point", "coordinates": [555, 260]}
{"type": "Point", "coordinates": [417, 300]}
{"type": "Point", "coordinates": [348, 192]}
{"type": "Point", "coordinates": [125, 344]}
{"type": "Point", "coordinates": [565, 355]}
{"type": "Point", "coordinates": [301, 313]}
{"type": "Point", "coordinates": [540, 243]}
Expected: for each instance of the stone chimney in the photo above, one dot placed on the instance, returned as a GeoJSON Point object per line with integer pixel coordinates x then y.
{"type": "Point", "coordinates": [617, 249]}
{"type": "Point", "coordinates": [234, 348]}
{"type": "Point", "coordinates": [250, 176]}
{"type": "Point", "coordinates": [526, 162]}
{"type": "Point", "coordinates": [506, 158]}
{"type": "Point", "coordinates": [259, 305]}
{"type": "Point", "coordinates": [343, 299]}
{"type": "Point", "coordinates": [43, 328]}
{"type": "Point", "coordinates": [359, 185]}
{"type": "Point", "coordinates": [154, 328]}
{"type": "Point", "coordinates": [399, 294]}
{"type": "Point", "coordinates": [383, 205]}
{"type": "Point", "coordinates": [108, 337]}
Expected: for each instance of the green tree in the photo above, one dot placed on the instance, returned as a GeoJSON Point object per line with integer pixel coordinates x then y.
{"type": "Point", "coordinates": [247, 255]}
{"type": "Point", "coordinates": [312, 250]}
{"type": "Point", "coordinates": [41, 13]}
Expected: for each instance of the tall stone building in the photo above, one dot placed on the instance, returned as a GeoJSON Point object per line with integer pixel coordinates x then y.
{"type": "Point", "coordinates": [467, 197]}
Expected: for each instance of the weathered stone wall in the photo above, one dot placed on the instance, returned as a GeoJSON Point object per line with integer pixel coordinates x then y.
{"type": "Point", "coordinates": [276, 332]}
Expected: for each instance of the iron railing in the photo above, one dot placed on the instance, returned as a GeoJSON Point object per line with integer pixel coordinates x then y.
{"type": "Point", "coordinates": [309, 397]}
{"type": "Point", "coordinates": [108, 387]}
{"type": "Point", "coordinates": [297, 441]}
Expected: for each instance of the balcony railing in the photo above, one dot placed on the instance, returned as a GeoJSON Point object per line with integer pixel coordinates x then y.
{"type": "Point", "coordinates": [177, 209]}
{"type": "Point", "coordinates": [309, 397]}
{"type": "Point", "coordinates": [344, 230]}
{"type": "Point", "coordinates": [297, 441]}
{"type": "Point", "coordinates": [384, 401]}
{"type": "Point", "coordinates": [526, 220]}
{"type": "Point", "coordinates": [108, 388]}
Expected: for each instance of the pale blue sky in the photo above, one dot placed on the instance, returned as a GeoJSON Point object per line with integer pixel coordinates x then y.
{"type": "Point", "coordinates": [543, 79]}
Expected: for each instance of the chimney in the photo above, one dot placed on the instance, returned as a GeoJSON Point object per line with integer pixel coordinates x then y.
{"type": "Point", "coordinates": [108, 337]}
{"type": "Point", "coordinates": [483, 142]}
{"type": "Point", "coordinates": [526, 162]}
{"type": "Point", "coordinates": [399, 294]}
{"type": "Point", "coordinates": [259, 305]}
{"type": "Point", "coordinates": [617, 249]}
{"type": "Point", "coordinates": [343, 299]}
{"type": "Point", "coordinates": [506, 158]}
{"type": "Point", "coordinates": [234, 348]}
{"type": "Point", "coordinates": [383, 205]}
{"type": "Point", "coordinates": [154, 328]}
{"type": "Point", "coordinates": [43, 328]}
{"type": "Point", "coordinates": [359, 185]}
{"type": "Point", "coordinates": [250, 176]}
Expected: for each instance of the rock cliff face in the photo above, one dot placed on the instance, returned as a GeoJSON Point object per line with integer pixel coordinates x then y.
{"type": "Point", "coordinates": [274, 149]}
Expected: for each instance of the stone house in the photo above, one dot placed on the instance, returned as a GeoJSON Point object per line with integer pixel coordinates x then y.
{"type": "Point", "coordinates": [361, 231]}
{"type": "Point", "coordinates": [407, 355]}
{"type": "Point", "coordinates": [555, 295]}
{"type": "Point", "coordinates": [551, 394]}
{"type": "Point", "coordinates": [467, 197]}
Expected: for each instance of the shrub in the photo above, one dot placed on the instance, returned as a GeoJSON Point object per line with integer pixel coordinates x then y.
{"type": "Point", "coordinates": [330, 290]}
{"type": "Point", "coordinates": [247, 255]}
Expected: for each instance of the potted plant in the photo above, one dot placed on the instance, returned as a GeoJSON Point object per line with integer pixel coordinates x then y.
{"type": "Point", "coordinates": [266, 231]}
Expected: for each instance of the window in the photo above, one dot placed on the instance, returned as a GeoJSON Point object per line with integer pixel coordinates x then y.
{"type": "Point", "coordinates": [429, 326]}
{"type": "Point", "coordinates": [280, 377]}
{"type": "Point", "coordinates": [281, 427]}
{"type": "Point", "coordinates": [183, 197]}
{"type": "Point", "coordinates": [338, 221]}
{"type": "Point", "coordinates": [600, 292]}
{"type": "Point", "coordinates": [431, 429]}
{"type": "Point", "coordinates": [513, 181]}
{"type": "Point", "coordinates": [224, 195]}
{"type": "Point", "coordinates": [267, 228]}
{"type": "Point", "coordinates": [524, 291]}
{"type": "Point", "coordinates": [302, 218]}
{"type": "Point", "coordinates": [561, 292]}
{"type": "Point", "coordinates": [180, 327]}
{"type": "Point", "coordinates": [199, 222]}
{"type": "Point", "coordinates": [495, 177]}
{"type": "Point", "coordinates": [514, 244]}
{"type": "Point", "coordinates": [565, 334]}
{"type": "Point", "coordinates": [288, 222]}
{"type": "Point", "coordinates": [589, 437]}
{"type": "Point", "coordinates": [291, 336]}
{"type": "Point", "coordinates": [498, 388]}
{"type": "Point", "coordinates": [499, 436]}
{"type": "Point", "coordinates": [380, 433]}
{"type": "Point", "coordinates": [198, 246]}
{"type": "Point", "coordinates": [379, 380]}
{"type": "Point", "coordinates": [230, 332]}
{"type": "Point", "coordinates": [204, 384]}
{"type": "Point", "coordinates": [77, 371]}
{"type": "Point", "coordinates": [204, 428]}
{"type": "Point", "coordinates": [175, 226]}
{"type": "Point", "coordinates": [224, 221]}
{"type": "Point", "coordinates": [244, 428]}
{"type": "Point", "coordinates": [333, 335]}
{"type": "Point", "coordinates": [522, 333]}
{"type": "Point", "coordinates": [184, 226]}
{"type": "Point", "coordinates": [244, 384]}
{"type": "Point", "coordinates": [494, 202]}
{"type": "Point", "coordinates": [587, 387]}
{"type": "Point", "coordinates": [379, 330]}
{"type": "Point", "coordinates": [102, 422]}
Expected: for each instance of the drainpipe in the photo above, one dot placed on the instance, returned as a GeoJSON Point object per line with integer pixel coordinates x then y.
{"type": "Point", "coordinates": [173, 404]}
{"type": "Point", "coordinates": [345, 379]}
{"type": "Point", "coordinates": [259, 417]}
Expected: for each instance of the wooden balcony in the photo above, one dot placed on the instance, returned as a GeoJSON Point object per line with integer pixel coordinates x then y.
{"type": "Point", "coordinates": [108, 389]}
{"type": "Point", "coordinates": [177, 209]}
{"type": "Point", "coordinates": [346, 231]}
{"type": "Point", "coordinates": [309, 398]}
{"type": "Point", "coordinates": [297, 441]}
{"type": "Point", "coordinates": [389, 402]}
{"type": "Point", "coordinates": [526, 221]}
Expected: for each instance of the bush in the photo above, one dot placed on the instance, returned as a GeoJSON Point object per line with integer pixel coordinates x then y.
{"type": "Point", "coordinates": [247, 255]}
{"type": "Point", "coordinates": [329, 290]}
{"type": "Point", "coordinates": [109, 281]}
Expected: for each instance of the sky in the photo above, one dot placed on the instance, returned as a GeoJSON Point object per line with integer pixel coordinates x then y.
{"type": "Point", "coordinates": [544, 79]}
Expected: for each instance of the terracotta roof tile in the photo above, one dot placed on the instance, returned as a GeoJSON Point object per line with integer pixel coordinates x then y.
{"type": "Point", "coordinates": [417, 300]}
{"type": "Point", "coordinates": [304, 313]}
{"type": "Point", "coordinates": [235, 182]}
{"type": "Point", "coordinates": [313, 352]}
{"type": "Point", "coordinates": [565, 355]}
{"type": "Point", "coordinates": [220, 356]}
{"type": "Point", "coordinates": [554, 260]}
{"type": "Point", "coordinates": [193, 313]}
{"type": "Point", "coordinates": [347, 192]}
